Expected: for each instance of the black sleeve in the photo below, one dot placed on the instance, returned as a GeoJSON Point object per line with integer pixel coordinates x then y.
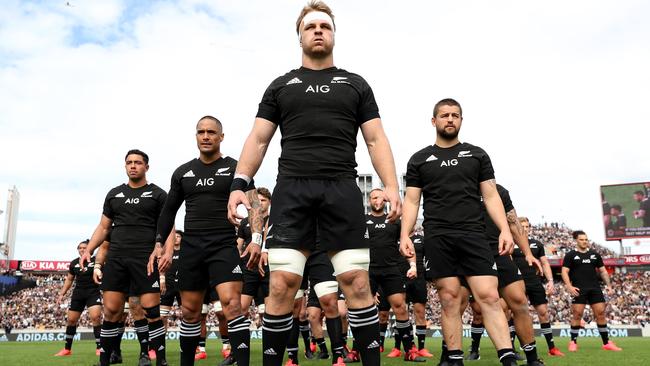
{"type": "Point", "coordinates": [172, 204]}
{"type": "Point", "coordinates": [241, 228]}
{"type": "Point", "coordinates": [622, 221]}
{"type": "Point", "coordinates": [70, 269]}
{"type": "Point", "coordinates": [542, 252]}
{"type": "Point", "coordinates": [413, 174]}
{"type": "Point", "coordinates": [568, 259]}
{"type": "Point", "coordinates": [368, 108]}
{"type": "Point", "coordinates": [486, 170]}
{"type": "Point", "coordinates": [108, 211]}
{"type": "Point", "coordinates": [505, 198]}
{"type": "Point", "coordinates": [268, 107]}
{"type": "Point", "coordinates": [599, 261]}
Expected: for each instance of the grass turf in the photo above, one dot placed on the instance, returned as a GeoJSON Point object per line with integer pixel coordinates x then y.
{"type": "Point", "coordinates": [636, 351]}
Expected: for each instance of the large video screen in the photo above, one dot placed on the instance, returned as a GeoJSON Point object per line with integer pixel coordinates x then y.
{"type": "Point", "coordinates": [626, 210]}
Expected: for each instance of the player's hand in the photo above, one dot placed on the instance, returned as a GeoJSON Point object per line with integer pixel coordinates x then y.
{"type": "Point", "coordinates": [550, 288]}
{"type": "Point", "coordinates": [609, 290]}
{"type": "Point", "coordinates": [237, 198]}
{"type": "Point", "coordinates": [155, 254]}
{"type": "Point", "coordinates": [163, 285]}
{"type": "Point", "coordinates": [164, 261]}
{"type": "Point", "coordinates": [264, 261]}
{"type": "Point", "coordinates": [534, 262]}
{"type": "Point", "coordinates": [406, 248]}
{"type": "Point", "coordinates": [84, 259]}
{"type": "Point", "coordinates": [59, 299]}
{"type": "Point", "coordinates": [98, 274]}
{"type": "Point", "coordinates": [574, 291]}
{"type": "Point", "coordinates": [376, 298]}
{"type": "Point", "coordinates": [506, 244]}
{"type": "Point", "coordinates": [255, 250]}
{"type": "Point", "coordinates": [392, 196]}
{"type": "Point", "coordinates": [412, 273]}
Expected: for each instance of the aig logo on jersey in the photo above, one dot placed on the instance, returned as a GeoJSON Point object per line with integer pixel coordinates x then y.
{"type": "Point", "coordinates": [380, 226]}
{"type": "Point", "coordinates": [202, 182]}
{"type": "Point", "coordinates": [449, 162]}
{"type": "Point", "coordinates": [318, 89]}
{"type": "Point", "coordinates": [132, 201]}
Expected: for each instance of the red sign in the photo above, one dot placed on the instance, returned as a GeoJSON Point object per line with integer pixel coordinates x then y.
{"type": "Point", "coordinates": [44, 266]}
{"type": "Point", "coordinates": [637, 260]}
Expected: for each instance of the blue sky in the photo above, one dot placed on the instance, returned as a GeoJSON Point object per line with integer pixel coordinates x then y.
{"type": "Point", "coordinates": [554, 91]}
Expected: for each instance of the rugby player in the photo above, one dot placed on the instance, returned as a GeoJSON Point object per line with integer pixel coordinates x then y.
{"type": "Point", "coordinates": [131, 214]}
{"type": "Point", "coordinates": [453, 176]}
{"type": "Point", "coordinates": [320, 109]}
{"type": "Point", "coordinates": [85, 295]}
{"type": "Point", "coordinates": [209, 256]}
{"type": "Point", "coordinates": [579, 274]}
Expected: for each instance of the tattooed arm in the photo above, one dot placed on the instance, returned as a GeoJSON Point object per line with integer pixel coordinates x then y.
{"type": "Point", "coordinates": [256, 221]}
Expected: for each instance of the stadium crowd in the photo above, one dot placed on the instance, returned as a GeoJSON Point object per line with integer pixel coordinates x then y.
{"type": "Point", "coordinates": [630, 304]}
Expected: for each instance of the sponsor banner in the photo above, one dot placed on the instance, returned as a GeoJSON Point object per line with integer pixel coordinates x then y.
{"type": "Point", "coordinates": [626, 260]}
{"type": "Point", "coordinates": [637, 260]}
{"type": "Point", "coordinates": [44, 266]}
{"type": "Point", "coordinates": [59, 336]}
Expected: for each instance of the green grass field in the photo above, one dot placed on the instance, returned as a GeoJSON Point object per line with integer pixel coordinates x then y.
{"type": "Point", "coordinates": [636, 351]}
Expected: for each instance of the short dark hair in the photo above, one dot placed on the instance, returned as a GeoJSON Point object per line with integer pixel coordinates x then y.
{"type": "Point", "coordinates": [617, 207]}
{"type": "Point", "coordinates": [211, 118]}
{"type": "Point", "coordinates": [264, 192]}
{"type": "Point", "coordinates": [640, 193]}
{"type": "Point", "coordinates": [83, 242]}
{"type": "Point", "coordinates": [145, 157]}
{"type": "Point", "coordinates": [446, 101]}
{"type": "Point", "coordinates": [577, 233]}
{"type": "Point", "coordinates": [180, 232]}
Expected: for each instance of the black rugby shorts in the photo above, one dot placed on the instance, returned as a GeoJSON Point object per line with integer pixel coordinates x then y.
{"type": "Point", "coordinates": [312, 299]}
{"type": "Point", "coordinates": [589, 296]}
{"type": "Point", "coordinates": [416, 291]}
{"type": "Point", "coordinates": [536, 293]}
{"type": "Point", "coordinates": [254, 284]}
{"type": "Point", "coordinates": [507, 270]}
{"type": "Point", "coordinates": [207, 259]}
{"type": "Point", "coordinates": [128, 275]}
{"type": "Point", "coordinates": [458, 254]}
{"type": "Point", "coordinates": [300, 204]}
{"type": "Point", "coordinates": [85, 298]}
{"type": "Point", "coordinates": [318, 268]}
{"type": "Point", "coordinates": [167, 299]}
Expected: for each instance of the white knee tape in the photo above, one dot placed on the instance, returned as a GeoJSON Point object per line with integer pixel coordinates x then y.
{"type": "Point", "coordinates": [205, 308]}
{"type": "Point", "coordinates": [288, 260]}
{"type": "Point", "coordinates": [350, 260]}
{"type": "Point", "coordinates": [300, 294]}
{"type": "Point", "coordinates": [217, 306]}
{"type": "Point", "coordinates": [326, 288]}
{"type": "Point", "coordinates": [164, 312]}
{"type": "Point", "coordinates": [261, 309]}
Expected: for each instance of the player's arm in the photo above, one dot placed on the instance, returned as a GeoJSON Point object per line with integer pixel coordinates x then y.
{"type": "Point", "coordinates": [99, 236]}
{"type": "Point", "coordinates": [174, 200]}
{"type": "Point", "coordinates": [605, 276]}
{"type": "Point", "coordinates": [519, 235]}
{"type": "Point", "coordinates": [381, 156]}
{"type": "Point", "coordinates": [494, 207]}
{"type": "Point", "coordinates": [409, 217]}
{"type": "Point", "coordinates": [574, 291]}
{"type": "Point", "coordinates": [548, 273]}
{"type": "Point", "coordinates": [165, 253]}
{"type": "Point", "coordinates": [240, 245]}
{"type": "Point", "coordinates": [100, 259]}
{"type": "Point", "coordinates": [256, 222]}
{"type": "Point", "coordinates": [69, 279]}
{"type": "Point", "coordinates": [249, 162]}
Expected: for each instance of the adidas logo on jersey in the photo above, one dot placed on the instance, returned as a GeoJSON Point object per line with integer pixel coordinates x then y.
{"type": "Point", "coordinates": [270, 352]}
{"type": "Point", "coordinates": [576, 257]}
{"type": "Point", "coordinates": [155, 285]}
{"type": "Point", "coordinates": [374, 344]}
{"type": "Point", "coordinates": [294, 81]}
{"type": "Point", "coordinates": [464, 154]}
{"type": "Point", "coordinates": [432, 158]}
{"type": "Point", "coordinates": [146, 194]}
{"type": "Point", "coordinates": [189, 174]}
{"type": "Point", "coordinates": [369, 222]}
{"type": "Point", "coordinates": [242, 346]}
{"type": "Point", "coordinates": [237, 270]}
{"type": "Point", "coordinates": [494, 266]}
{"type": "Point", "coordinates": [119, 195]}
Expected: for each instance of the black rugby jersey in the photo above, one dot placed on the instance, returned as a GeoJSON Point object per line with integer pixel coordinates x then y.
{"type": "Point", "coordinates": [383, 239]}
{"type": "Point", "coordinates": [645, 205]}
{"type": "Point", "coordinates": [134, 212]}
{"type": "Point", "coordinates": [529, 273]}
{"type": "Point", "coordinates": [205, 188]}
{"type": "Point", "coordinates": [244, 232]}
{"type": "Point", "coordinates": [491, 230]}
{"type": "Point", "coordinates": [83, 277]}
{"type": "Point", "coordinates": [583, 267]}
{"type": "Point", "coordinates": [449, 179]}
{"type": "Point", "coordinates": [319, 113]}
